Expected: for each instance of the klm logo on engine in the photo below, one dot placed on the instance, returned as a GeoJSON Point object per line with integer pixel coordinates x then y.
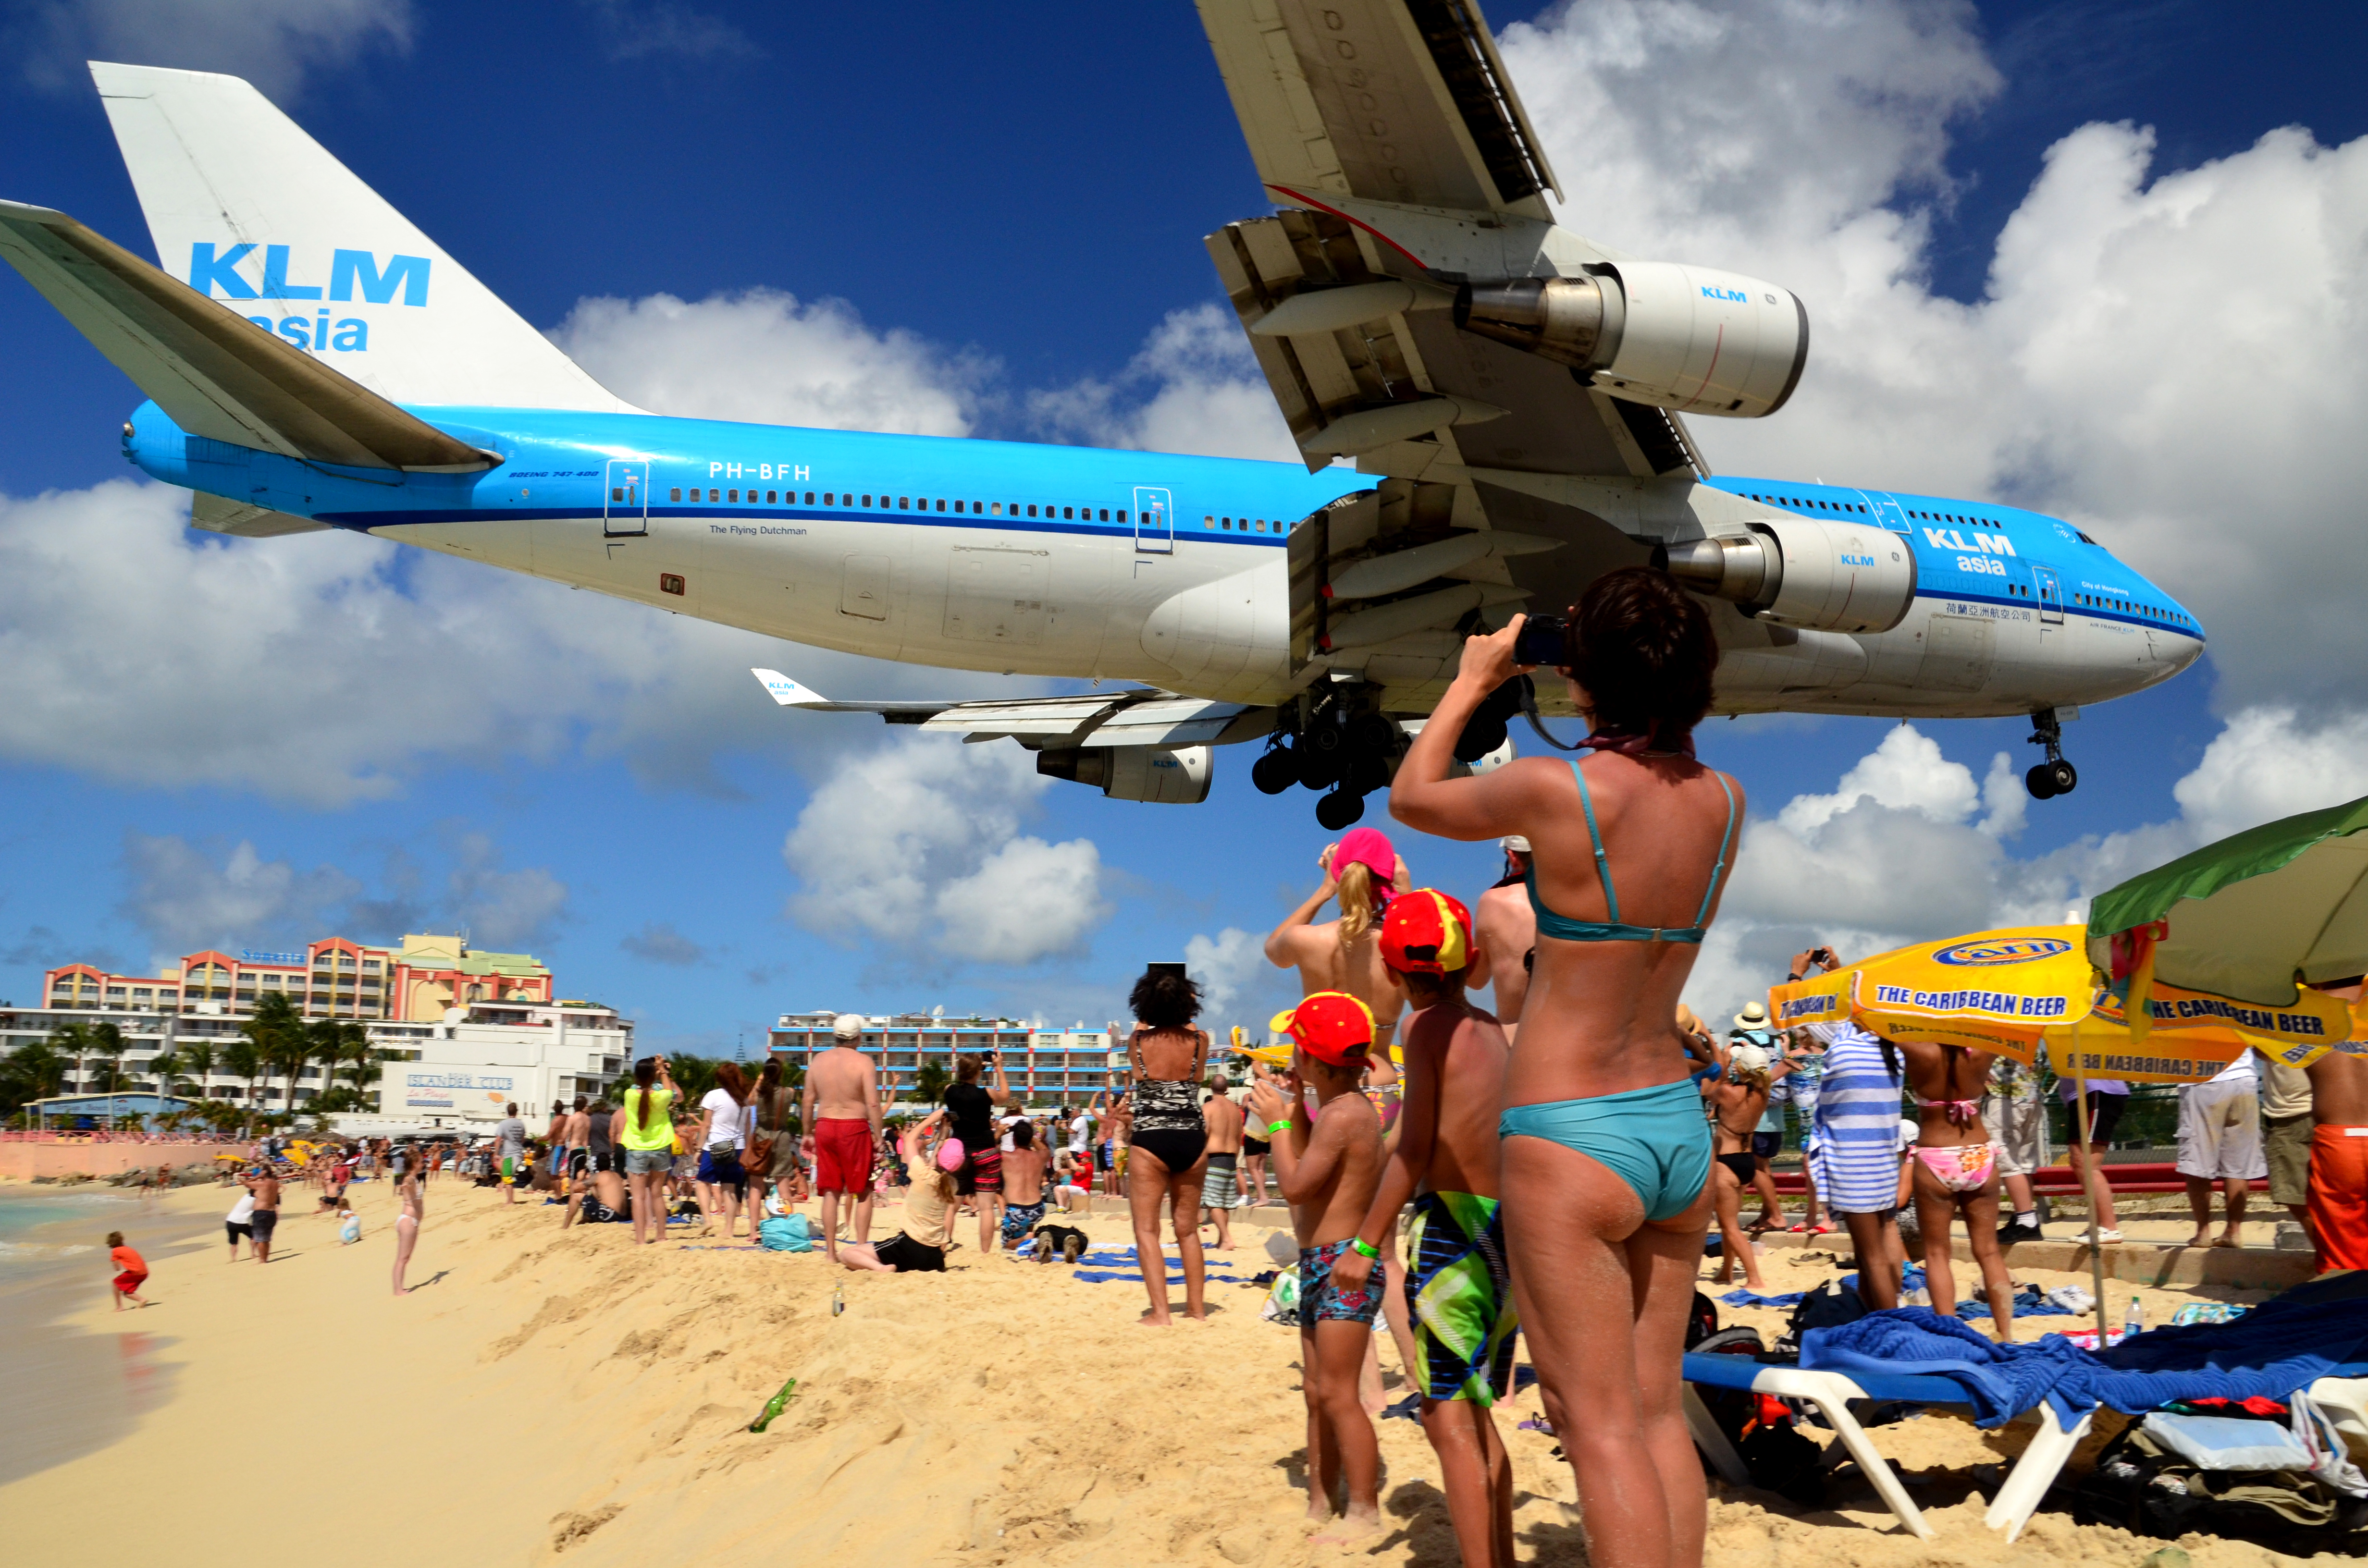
{"type": "Point", "coordinates": [402, 279]}
{"type": "Point", "coordinates": [1733, 296]}
{"type": "Point", "coordinates": [1849, 560]}
{"type": "Point", "coordinates": [1981, 544]}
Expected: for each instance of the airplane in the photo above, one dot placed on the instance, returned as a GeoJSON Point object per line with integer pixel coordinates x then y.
{"type": "Point", "coordinates": [1490, 407]}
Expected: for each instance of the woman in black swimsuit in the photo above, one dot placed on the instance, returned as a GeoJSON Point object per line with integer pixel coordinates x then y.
{"type": "Point", "coordinates": [1170, 1139]}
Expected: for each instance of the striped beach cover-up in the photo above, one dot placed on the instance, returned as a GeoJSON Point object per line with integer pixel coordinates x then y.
{"type": "Point", "coordinates": [1854, 1157]}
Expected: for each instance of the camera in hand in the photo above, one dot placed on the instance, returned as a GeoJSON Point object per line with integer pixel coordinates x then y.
{"type": "Point", "coordinates": [1543, 639]}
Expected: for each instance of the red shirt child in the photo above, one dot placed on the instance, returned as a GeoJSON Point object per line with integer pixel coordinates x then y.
{"type": "Point", "coordinates": [132, 1270]}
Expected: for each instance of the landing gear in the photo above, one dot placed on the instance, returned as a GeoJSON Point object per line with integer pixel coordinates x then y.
{"type": "Point", "coordinates": [2054, 776]}
{"type": "Point", "coordinates": [1338, 743]}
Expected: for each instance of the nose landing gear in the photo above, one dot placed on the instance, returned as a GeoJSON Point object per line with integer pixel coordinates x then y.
{"type": "Point", "coordinates": [2054, 776]}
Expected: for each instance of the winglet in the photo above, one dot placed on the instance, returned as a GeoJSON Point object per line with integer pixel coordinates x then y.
{"type": "Point", "coordinates": [788, 693]}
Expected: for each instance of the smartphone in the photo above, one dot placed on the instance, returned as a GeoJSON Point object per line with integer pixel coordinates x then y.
{"type": "Point", "coordinates": [1543, 639]}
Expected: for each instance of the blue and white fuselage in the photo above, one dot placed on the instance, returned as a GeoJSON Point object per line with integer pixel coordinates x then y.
{"type": "Point", "coordinates": [1073, 562]}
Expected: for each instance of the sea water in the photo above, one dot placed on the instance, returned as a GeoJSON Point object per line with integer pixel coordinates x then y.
{"type": "Point", "coordinates": [70, 1393]}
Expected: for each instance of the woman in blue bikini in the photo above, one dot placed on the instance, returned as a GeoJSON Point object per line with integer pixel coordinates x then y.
{"type": "Point", "coordinates": [1606, 1157]}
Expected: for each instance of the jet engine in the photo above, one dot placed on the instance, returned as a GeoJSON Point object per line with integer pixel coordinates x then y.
{"type": "Point", "coordinates": [1687, 338]}
{"type": "Point", "coordinates": [1167, 776]}
{"type": "Point", "coordinates": [1805, 572]}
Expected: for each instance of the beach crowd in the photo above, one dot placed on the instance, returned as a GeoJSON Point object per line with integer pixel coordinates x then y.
{"type": "Point", "coordinates": [1546, 1168]}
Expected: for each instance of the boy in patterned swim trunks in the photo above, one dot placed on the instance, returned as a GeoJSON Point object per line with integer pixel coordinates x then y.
{"type": "Point", "coordinates": [1330, 1165]}
{"type": "Point", "coordinates": [1445, 1160]}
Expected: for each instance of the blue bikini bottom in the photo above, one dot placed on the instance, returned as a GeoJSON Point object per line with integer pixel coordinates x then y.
{"type": "Point", "coordinates": [1656, 1140]}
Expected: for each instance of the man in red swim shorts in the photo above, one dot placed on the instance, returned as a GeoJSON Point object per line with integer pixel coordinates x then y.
{"type": "Point", "coordinates": [840, 1108]}
{"type": "Point", "coordinates": [2339, 1160]}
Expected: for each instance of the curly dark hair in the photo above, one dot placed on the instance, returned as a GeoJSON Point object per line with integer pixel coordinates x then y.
{"type": "Point", "coordinates": [1642, 648]}
{"type": "Point", "coordinates": [1165, 999]}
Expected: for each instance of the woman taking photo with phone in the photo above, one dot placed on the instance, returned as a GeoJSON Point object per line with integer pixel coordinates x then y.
{"type": "Point", "coordinates": [648, 1140]}
{"type": "Point", "coordinates": [1606, 1157]}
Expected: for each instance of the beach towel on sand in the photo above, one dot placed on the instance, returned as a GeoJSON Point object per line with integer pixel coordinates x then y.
{"type": "Point", "coordinates": [2279, 1347]}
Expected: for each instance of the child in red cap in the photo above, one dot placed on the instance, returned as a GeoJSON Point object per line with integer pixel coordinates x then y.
{"type": "Point", "coordinates": [1445, 1161]}
{"type": "Point", "coordinates": [1330, 1165]}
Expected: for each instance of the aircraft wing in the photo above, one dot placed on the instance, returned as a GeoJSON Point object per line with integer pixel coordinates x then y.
{"type": "Point", "coordinates": [1137, 716]}
{"type": "Point", "coordinates": [214, 372]}
{"type": "Point", "coordinates": [1394, 140]}
{"type": "Point", "coordinates": [1379, 98]}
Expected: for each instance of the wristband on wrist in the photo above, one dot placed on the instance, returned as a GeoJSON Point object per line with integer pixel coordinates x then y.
{"type": "Point", "coordinates": [1357, 1245]}
{"type": "Point", "coordinates": [1273, 1127]}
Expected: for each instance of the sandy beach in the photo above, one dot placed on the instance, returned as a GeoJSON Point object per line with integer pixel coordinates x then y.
{"type": "Point", "coordinates": [547, 1394]}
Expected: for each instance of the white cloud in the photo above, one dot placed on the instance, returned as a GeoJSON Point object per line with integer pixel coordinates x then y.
{"type": "Point", "coordinates": [659, 942]}
{"type": "Point", "coordinates": [503, 909]}
{"type": "Point", "coordinates": [639, 33]}
{"type": "Point", "coordinates": [917, 843]}
{"type": "Point", "coordinates": [1231, 969]}
{"type": "Point", "coordinates": [765, 357]}
{"type": "Point", "coordinates": [1192, 387]}
{"type": "Point", "coordinates": [1897, 854]}
{"type": "Point", "coordinates": [184, 900]}
{"type": "Point", "coordinates": [272, 43]}
{"type": "Point", "coordinates": [2173, 359]}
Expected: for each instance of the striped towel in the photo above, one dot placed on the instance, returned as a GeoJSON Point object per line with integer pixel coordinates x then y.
{"type": "Point", "coordinates": [1856, 1159]}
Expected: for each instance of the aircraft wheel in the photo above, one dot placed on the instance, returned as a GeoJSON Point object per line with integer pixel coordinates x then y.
{"type": "Point", "coordinates": [1276, 771]}
{"type": "Point", "coordinates": [1338, 810]}
{"type": "Point", "coordinates": [2061, 778]}
{"type": "Point", "coordinates": [2040, 782]}
{"type": "Point", "coordinates": [1318, 768]}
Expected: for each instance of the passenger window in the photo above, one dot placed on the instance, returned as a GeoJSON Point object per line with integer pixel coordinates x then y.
{"type": "Point", "coordinates": [904, 503]}
{"type": "Point", "coordinates": [1032, 509]}
{"type": "Point", "coordinates": [769, 498]}
{"type": "Point", "coordinates": [1106, 514]}
{"type": "Point", "coordinates": [735, 495]}
{"type": "Point", "coordinates": [675, 494]}
{"type": "Point", "coordinates": [994, 508]}
{"type": "Point", "coordinates": [1121, 514]}
{"type": "Point", "coordinates": [715, 495]}
{"type": "Point", "coordinates": [1068, 512]}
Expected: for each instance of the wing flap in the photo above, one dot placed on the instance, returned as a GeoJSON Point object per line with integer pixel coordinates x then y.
{"type": "Point", "coordinates": [212, 372]}
{"type": "Point", "coordinates": [218, 515]}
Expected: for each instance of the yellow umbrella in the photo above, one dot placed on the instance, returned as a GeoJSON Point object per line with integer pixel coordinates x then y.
{"type": "Point", "coordinates": [2195, 1034]}
{"type": "Point", "coordinates": [1997, 991]}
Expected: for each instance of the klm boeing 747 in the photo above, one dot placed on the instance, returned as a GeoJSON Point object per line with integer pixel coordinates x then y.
{"type": "Point", "coordinates": [1490, 409]}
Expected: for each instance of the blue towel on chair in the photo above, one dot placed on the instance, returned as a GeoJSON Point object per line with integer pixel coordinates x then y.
{"type": "Point", "coordinates": [2300, 1342]}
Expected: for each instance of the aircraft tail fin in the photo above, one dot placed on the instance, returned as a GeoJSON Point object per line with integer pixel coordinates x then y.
{"type": "Point", "coordinates": [250, 210]}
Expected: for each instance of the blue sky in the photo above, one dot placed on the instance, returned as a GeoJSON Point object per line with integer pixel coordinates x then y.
{"type": "Point", "coordinates": [1008, 203]}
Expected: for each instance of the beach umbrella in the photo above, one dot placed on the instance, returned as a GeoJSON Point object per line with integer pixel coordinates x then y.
{"type": "Point", "coordinates": [2247, 918]}
{"type": "Point", "coordinates": [1997, 991]}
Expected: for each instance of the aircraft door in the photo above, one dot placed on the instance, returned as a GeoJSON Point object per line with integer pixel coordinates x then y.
{"type": "Point", "coordinates": [625, 507]}
{"type": "Point", "coordinates": [2051, 594]}
{"type": "Point", "coordinates": [1155, 522]}
{"type": "Point", "coordinates": [1886, 511]}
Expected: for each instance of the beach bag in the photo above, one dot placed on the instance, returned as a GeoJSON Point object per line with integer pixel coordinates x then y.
{"type": "Point", "coordinates": [785, 1233]}
{"type": "Point", "coordinates": [1779, 1459]}
{"type": "Point", "coordinates": [1282, 1303]}
{"type": "Point", "coordinates": [2139, 1484]}
{"type": "Point", "coordinates": [1829, 1306]}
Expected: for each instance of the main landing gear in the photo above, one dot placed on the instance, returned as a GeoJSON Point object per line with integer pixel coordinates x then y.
{"type": "Point", "coordinates": [1338, 740]}
{"type": "Point", "coordinates": [2054, 776]}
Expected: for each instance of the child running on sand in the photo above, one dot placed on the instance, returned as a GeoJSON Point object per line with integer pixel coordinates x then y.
{"type": "Point", "coordinates": [1445, 1161]}
{"type": "Point", "coordinates": [131, 1271]}
{"type": "Point", "coordinates": [1329, 1166]}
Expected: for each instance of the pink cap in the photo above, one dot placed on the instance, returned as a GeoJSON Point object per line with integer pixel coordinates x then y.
{"type": "Point", "coordinates": [949, 1155]}
{"type": "Point", "coordinates": [1369, 847]}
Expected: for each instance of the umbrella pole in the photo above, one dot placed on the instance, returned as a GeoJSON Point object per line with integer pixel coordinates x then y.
{"type": "Point", "coordinates": [2089, 1166]}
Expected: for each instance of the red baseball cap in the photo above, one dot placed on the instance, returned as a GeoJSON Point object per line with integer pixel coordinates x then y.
{"type": "Point", "coordinates": [1426, 932]}
{"type": "Point", "coordinates": [1332, 1026]}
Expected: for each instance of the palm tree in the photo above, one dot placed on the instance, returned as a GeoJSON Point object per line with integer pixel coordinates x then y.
{"type": "Point", "coordinates": [72, 1040]}
{"type": "Point", "coordinates": [31, 1071]}
{"type": "Point", "coordinates": [929, 1081]}
{"type": "Point", "coordinates": [242, 1058]}
{"type": "Point", "coordinates": [278, 1037]}
{"type": "Point", "coordinates": [107, 1042]}
{"type": "Point", "coordinates": [164, 1066]}
{"type": "Point", "coordinates": [197, 1058]}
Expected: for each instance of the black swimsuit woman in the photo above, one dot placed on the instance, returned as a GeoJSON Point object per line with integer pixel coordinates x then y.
{"type": "Point", "coordinates": [1169, 1140]}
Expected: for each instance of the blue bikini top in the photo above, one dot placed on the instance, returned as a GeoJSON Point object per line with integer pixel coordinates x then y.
{"type": "Point", "coordinates": [1564, 927]}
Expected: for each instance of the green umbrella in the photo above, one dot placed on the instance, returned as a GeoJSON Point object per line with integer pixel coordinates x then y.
{"type": "Point", "coordinates": [2251, 912]}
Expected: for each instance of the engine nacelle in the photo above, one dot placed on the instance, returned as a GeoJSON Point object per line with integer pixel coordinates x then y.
{"type": "Point", "coordinates": [1687, 338]}
{"type": "Point", "coordinates": [1167, 776]}
{"type": "Point", "coordinates": [1805, 572]}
